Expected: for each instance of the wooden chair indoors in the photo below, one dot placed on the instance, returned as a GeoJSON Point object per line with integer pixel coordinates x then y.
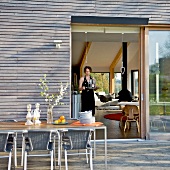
{"type": "Point", "coordinates": [131, 114]}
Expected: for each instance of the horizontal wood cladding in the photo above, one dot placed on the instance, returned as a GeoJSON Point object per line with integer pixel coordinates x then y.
{"type": "Point", "coordinates": [27, 50]}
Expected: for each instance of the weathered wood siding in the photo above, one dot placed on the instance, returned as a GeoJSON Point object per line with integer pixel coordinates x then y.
{"type": "Point", "coordinates": [27, 51]}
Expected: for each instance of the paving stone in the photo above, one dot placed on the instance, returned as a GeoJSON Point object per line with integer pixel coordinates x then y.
{"type": "Point", "coordinates": [144, 155]}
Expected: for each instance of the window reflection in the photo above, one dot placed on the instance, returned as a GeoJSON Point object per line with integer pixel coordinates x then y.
{"type": "Point", "coordinates": [117, 82]}
{"type": "Point", "coordinates": [134, 80]}
{"type": "Point", "coordinates": [159, 80]}
{"type": "Point", "coordinates": [102, 81]}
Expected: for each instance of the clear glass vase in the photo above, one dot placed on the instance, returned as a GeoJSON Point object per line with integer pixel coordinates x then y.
{"type": "Point", "coordinates": [49, 115]}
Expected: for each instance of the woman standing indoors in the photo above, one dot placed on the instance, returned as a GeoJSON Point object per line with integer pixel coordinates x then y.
{"type": "Point", "coordinates": [87, 85]}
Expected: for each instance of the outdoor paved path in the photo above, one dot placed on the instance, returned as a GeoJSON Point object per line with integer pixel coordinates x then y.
{"type": "Point", "coordinates": [129, 155]}
{"type": "Point", "coordinates": [132, 155]}
{"type": "Point", "coordinates": [143, 155]}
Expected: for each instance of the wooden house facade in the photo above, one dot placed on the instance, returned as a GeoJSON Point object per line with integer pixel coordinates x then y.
{"type": "Point", "coordinates": [28, 29]}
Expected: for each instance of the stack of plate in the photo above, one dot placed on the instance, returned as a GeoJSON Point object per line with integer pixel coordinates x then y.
{"type": "Point", "coordinates": [85, 117]}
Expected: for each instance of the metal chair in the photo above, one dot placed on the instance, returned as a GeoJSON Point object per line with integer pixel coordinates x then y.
{"type": "Point", "coordinates": [6, 146]}
{"type": "Point", "coordinates": [12, 139]}
{"type": "Point", "coordinates": [77, 139]}
{"type": "Point", "coordinates": [38, 141]}
{"type": "Point", "coordinates": [157, 122]}
{"type": "Point", "coordinates": [8, 120]}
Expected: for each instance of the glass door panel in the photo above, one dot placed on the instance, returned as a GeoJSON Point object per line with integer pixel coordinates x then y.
{"type": "Point", "coordinates": [159, 81]}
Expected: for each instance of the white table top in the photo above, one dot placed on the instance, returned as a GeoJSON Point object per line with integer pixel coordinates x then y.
{"type": "Point", "coordinates": [128, 103]}
{"type": "Point", "coordinates": [109, 103]}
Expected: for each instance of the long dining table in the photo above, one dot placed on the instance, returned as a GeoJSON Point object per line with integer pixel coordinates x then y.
{"type": "Point", "coordinates": [20, 127]}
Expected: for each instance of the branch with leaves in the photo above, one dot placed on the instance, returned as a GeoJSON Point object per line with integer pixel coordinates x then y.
{"type": "Point", "coordinates": [54, 98]}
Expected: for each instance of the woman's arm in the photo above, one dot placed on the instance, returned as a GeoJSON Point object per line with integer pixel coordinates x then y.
{"type": "Point", "coordinates": [80, 84]}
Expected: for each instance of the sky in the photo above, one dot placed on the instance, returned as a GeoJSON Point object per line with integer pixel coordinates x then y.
{"type": "Point", "coordinates": [157, 36]}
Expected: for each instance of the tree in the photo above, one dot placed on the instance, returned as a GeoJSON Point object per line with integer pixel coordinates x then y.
{"type": "Point", "coordinates": [102, 81]}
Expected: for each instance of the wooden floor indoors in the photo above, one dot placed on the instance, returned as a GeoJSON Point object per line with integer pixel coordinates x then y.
{"type": "Point", "coordinates": [113, 129]}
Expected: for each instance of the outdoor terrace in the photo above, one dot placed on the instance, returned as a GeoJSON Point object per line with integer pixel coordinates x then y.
{"type": "Point", "coordinates": [129, 155]}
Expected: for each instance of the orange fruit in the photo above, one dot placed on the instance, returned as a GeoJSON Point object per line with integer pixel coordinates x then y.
{"type": "Point", "coordinates": [59, 120]}
{"type": "Point", "coordinates": [62, 117]}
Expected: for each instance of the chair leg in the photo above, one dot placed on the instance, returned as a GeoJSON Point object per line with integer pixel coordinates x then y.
{"type": "Point", "coordinates": [25, 160]}
{"type": "Point", "coordinates": [66, 163]}
{"type": "Point", "coordinates": [15, 150]}
{"type": "Point", "coordinates": [23, 148]}
{"type": "Point", "coordinates": [51, 159]}
{"type": "Point", "coordinates": [54, 156]}
{"type": "Point", "coordinates": [120, 122]}
{"type": "Point", "coordinates": [125, 126]}
{"type": "Point", "coordinates": [137, 123]}
{"type": "Point", "coordinates": [87, 157]}
{"type": "Point", "coordinates": [13, 161]}
{"type": "Point", "coordinates": [60, 151]}
{"type": "Point", "coordinates": [9, 161]}
{"type": "Point", "coordinates": [128, 125]}
{"type": "Point", "coordinates": [59, 147]}
{"type": "Point", "coordinates": [91, 161]}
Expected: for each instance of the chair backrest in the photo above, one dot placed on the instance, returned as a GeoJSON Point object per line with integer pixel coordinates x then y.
{"type": "Point", "coordinates": [131, 111]}
{"type": "Point", "coordinates": [79, 138]}
{"type": "Point", "coordinates": [3, 141]}
{"type": "Point", "coordinates": [8, 120]}
{"type": "Point", "coordinates": [39, 140]}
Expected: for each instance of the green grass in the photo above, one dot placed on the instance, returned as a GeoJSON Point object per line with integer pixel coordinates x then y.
{"type": "Point", "coordinates": [159, 110]}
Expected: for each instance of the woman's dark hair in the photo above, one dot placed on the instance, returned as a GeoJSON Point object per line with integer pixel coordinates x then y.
{"type": "Point", "coordinates": [87, 67]}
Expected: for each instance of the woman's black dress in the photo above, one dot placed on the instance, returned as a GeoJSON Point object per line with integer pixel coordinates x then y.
{"type": "Point", "coordinates": [87, 97]}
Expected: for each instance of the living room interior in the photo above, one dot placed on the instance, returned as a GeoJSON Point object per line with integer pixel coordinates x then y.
{"type": "Point", "coordinates": [101, 48]}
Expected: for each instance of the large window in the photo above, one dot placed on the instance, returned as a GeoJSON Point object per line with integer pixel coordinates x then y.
{"type": "Point", "coordinates": [117, 82]}
{"type": "Point", "coordinates": [134, 83]}
{"type": "Point", "coordinates": [102, 81]}
{"type": "Point", "coordinates": [159, 81]}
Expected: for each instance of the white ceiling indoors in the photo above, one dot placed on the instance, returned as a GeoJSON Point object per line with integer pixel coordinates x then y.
{"type": "Point", "coordinates": [106, 42]}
